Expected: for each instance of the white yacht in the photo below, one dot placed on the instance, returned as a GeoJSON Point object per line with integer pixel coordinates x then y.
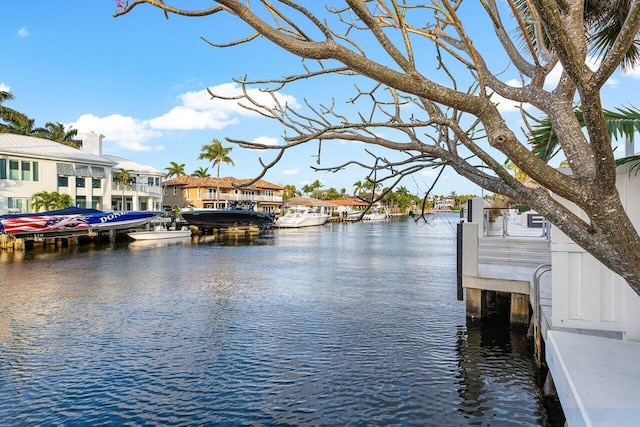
{"type": "Point", "coordinates": [301, 216]}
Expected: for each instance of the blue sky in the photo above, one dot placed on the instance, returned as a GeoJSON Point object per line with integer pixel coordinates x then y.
{"type": "Point", "coordinates": [140, 80]}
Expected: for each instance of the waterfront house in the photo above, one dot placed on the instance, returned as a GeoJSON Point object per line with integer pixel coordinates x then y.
{"type": "Point", "coordinates": [29, 165]}
{"type": "Point", "coordinates": [349, 204]}
{"type": "Point", "coordinates": [444, 203]}
{"type": "Point", "coordinates": [190, 191]}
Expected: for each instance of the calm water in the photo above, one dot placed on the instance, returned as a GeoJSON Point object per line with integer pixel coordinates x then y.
{"type": "Point", "coordinates": [346, 324]}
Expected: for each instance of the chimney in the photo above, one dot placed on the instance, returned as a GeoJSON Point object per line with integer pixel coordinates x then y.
{"type": "Point", "coordinates": [92, 143]}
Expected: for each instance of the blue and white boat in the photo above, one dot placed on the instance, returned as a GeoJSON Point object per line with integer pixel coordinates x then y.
{"type": "Point", "coordinates": [72, 220]}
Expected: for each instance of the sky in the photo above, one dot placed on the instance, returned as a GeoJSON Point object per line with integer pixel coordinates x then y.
{"type": "Point", "coordinates": [141, 80]}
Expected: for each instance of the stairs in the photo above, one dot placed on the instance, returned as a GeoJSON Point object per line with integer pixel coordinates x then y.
{"type": "Point", "coordinates": [521, 252]}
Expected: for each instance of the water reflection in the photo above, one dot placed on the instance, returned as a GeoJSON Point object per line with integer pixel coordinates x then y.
{"type": "Point", "coordinates": [334, 325]}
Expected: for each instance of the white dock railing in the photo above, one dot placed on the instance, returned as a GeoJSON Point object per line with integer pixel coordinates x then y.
{"type": "Point", "coordinates": [500, 222]}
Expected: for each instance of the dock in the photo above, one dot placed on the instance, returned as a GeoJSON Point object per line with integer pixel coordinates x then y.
{"type": "Point", "coordinates": [13, 242]}
{"type": "Point", "coordinates": [577, 313]}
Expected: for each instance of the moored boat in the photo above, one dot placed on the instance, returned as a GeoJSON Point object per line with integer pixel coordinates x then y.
{"type": "Point", "coordinates": [160, 233]}
{"type": "Point", "coordinates": [376, 215]}
{"type": "Point", "coordinates": [239, 214]}
{"type": "Point", "coordinates": [71, 220]}
{"type": "Point", "coordinates": [301, 216]}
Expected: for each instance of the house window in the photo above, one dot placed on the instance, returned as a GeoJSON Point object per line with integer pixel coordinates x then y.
{"type": "Point", "coordinates": [150, 180]}
{"type": "Point", "coordinates": [164, 191]}
{"type": "Point", "coordinates": [26, 171]}
{"type": "Point", "coordinates": [158, 182]}
{"type": "Point", "coordinates": [80, 183]}
{"type": "Point", "coordinates": [175, 191]}
{"type": "Point", "coordinates": [81, 202]}
{"type": "Point", "coordinates": [14, 169]}
{"type": "Point", "coordinates": [63, 181]}
{"type": "Point", "coordinates": [96, 183]}
{"type": "Point", "coordinates": [198, 193]}
{"type": "Point", "coordinates": [18, 204]}
{"type": "Point", "coordinates": [19, 170]}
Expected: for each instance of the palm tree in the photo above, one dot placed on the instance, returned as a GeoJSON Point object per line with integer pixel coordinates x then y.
{"type": "Point", "coordinates": [604, 20]}
{"type": "Point", "coordinates": [402, 191]}
{"type": "Point", "coordinates": [358, 187]}
{"type": "Point", "coordinates": [201, 173]}
{"type": "Point", "coordinates": [216, 154]}
{"type": "Point", "coordinates": [175, 169]}
{"type": "Point", "coordinates": [57, 132]}
{"type": "Point", "coordinates": [623, 122]}
{"type": "Point", "coordinates": [12, 121]}
{"type": "Point", "coordinates": [123, 177]}
{"type": "Point", "coordinates": [50, 200]}
{"type": "Point", "coordinates": [289, 192]}
{"type": "Point", "coordinates": [9, 118]}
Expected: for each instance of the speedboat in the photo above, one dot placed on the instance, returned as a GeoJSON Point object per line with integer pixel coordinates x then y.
{"type": "Point", "coordinates": [351, 215]}
{"type": "Point", "coordinates": [301, 216]}
{"type": "Point", "coordinates": [71, 220]}
{"type": "Point", "coordinates": [160, 233]}
{"type": "Point", "coordinates": [375, 215]}
{"type": "Point", "coordinates": [239, 214]}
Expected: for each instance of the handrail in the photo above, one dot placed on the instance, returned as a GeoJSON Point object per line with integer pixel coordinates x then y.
{"type": "Point", "coordinates": [506, 230]}
{"type": "Point", "coordinates": [542, 269]}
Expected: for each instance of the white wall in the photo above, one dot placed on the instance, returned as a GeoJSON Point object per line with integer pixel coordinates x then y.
{"type": "Point", "coordinates": [586, 294]}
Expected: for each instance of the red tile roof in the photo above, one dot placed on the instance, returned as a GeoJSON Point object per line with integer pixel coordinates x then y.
{"type": "Point", "coordinates": [226, 182]}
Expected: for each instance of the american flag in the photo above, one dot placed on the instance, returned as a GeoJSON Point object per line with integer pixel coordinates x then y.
{"type": "Point", "coordinates": [43, 223]}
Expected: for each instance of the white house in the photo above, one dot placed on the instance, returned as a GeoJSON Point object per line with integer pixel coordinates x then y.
{"type": "Point", "coordinates": [29, 165]}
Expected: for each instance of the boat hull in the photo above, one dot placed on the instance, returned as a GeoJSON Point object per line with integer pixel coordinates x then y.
{"type": "Point", "coordinates": [72, 220]}
{"type": "Point", "coordinates": [375, 217]}
{"type": "Point", "coordinates": [306, 221]}
{"type": "Point", "coordinates": [156, 235]}
{"type": "Point", "coordinates": [213, 218]}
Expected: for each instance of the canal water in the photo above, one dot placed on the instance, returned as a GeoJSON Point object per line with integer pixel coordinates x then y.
{"type": "Point", "coordinates": [345, 324]}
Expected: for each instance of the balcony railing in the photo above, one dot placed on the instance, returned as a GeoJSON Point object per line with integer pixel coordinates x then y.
{"type": "Point", "coordinates": [227, 198]}
{"type": "Point", "coordinates": [155, 190]}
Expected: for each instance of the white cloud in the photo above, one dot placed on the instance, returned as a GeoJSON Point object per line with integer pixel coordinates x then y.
{"type": "Point", "coordinates": [4, 88]}
{"type": "Point", "coordinates": [613, 82]}
{"type": "Point", "coordinates": [22, 32]}
{"type": "Point", "coordinates": [291, 172]}
{"type": "Point", "coordinates": [429, 173]}
{"type": "Point", "coordinates": [197, 111]}
{"type": "Point", "coordinates": [504, 105]}
{"type": "Point", "coordinates": [553, 78]}
{"type": "Point", "coordinates": [634, 73]}
{"type": "Point", "coordinates": [265, 140]}
{"type": "Point", "coordinates": [184, 118]}
{"type": "Point", "coordinates": [126, 132]}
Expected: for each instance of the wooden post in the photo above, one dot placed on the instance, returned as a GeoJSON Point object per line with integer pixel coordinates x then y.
{"type": "Point", "coordinates": [476, 303]}
{"type": "Point", "coordinates": [520, 308]}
